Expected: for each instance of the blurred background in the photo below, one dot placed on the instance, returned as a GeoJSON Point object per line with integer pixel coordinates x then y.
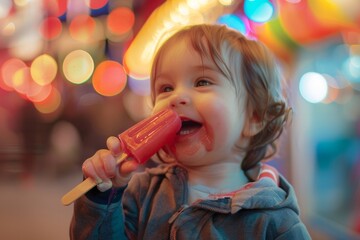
{"type": "Point", "coordinates": [73, 72]}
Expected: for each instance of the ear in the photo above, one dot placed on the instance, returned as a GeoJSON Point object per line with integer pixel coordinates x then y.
{"type": "Point", "coordinates": [252, 126]}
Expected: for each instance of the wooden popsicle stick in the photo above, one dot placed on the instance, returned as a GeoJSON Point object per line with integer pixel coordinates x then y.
{"type": "Point", "coordinates": [78, 191]}
{"type": "Point", "coordinates": [85, 186]}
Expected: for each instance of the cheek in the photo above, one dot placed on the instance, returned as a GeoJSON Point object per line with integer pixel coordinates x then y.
{"type": "Point", "coordinates": [218, 117]}
{"type": "Point", "coordinates": [224, 120]}
{"type": "Point", "coordinates": [159, 105]}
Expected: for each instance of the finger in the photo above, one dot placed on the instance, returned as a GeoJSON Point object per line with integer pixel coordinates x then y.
{"type": "Point", "coordinates": [114, 145]}
{"type": "Point", "coordinates": [89, 170]}
{"type": "Point", "coordinates": [104, 164]}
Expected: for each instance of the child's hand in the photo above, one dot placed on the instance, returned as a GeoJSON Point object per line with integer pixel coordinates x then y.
{"type": "Point", "coordinates": [102, 166]}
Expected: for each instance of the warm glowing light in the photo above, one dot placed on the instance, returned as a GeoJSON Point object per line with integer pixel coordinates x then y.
{"type": "Point", "coordinates": [96, 4]}
{"type": "Point", "coordinates": [226, 2]}
{"type": "Point", "coordinates": [258, 10]}
{"type": "Point", "coordinates": [120, 20]}
{"type": "Point", "coordinates": [21, 3]}
{"type": "Point", "coordinates": [82, 28]}
{"type": "Point", "coordinates": [109, 78]}
{"type": "Point", "coordinates": [21, 80]}
{"type": "Point", "coordinates": [27, 46]}
{"type": "Point", "coordinates": [51, 103]}
{"type": "Point", "coordinates": [8, 70]}
{"type": "Point", "coordinates": [38, 93]}
{"type": "Point", "coordinates": [55, 7]}
{"type": "Point", "coordinates": [78, 66]}
{"type": "Point", "coordinates": [162, 23]}
{"type": "Point", "coordinates": [329, 12]}
{"type": "Point", "coordinates": [51, 28]}
{"type": "Point", "coordinates": [44, 69]}
{"type": "Point", "coordinates": [9, 29]}
{"type": "Point", "coordinates": [313, 87]}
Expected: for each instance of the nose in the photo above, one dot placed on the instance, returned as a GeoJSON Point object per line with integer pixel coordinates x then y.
{"type": "Point", "coordinates": [180, 99]}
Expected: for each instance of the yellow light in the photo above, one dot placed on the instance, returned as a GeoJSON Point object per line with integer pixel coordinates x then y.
{"type": "Point", "coordinates": [226, 2]}
{"type": "Point", "coordinates": [162, 23]}
{"type": "Point", "coordinates": [78, 66]}
{"type": "Point", "coordinates": [43, 69]}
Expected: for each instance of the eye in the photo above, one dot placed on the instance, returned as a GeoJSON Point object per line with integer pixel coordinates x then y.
{"type": "Point", "coordinates": [167, 89]}
{"type": "Point", "coordinates": [202, 83]}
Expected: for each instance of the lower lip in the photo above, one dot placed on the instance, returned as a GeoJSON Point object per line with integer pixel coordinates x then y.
{"type": "Point", "coordinates": [203, 136]}
{"type": "Point", "coordinates": [180, 137]}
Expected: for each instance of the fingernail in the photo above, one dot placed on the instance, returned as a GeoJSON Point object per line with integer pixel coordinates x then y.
{"type": "Point", "coordinates": [104, 186]}
{"type": "Point", "coordinates": [98, 181]}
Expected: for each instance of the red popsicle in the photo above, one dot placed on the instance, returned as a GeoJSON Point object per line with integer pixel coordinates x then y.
{"type": "Point", "coordinates": [145, 138]}
{"type": "Point", "coordinates": [140, 142]}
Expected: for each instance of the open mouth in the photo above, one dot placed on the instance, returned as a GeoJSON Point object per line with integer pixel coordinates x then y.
{"type": "Point", "coordinates": [188, 127]}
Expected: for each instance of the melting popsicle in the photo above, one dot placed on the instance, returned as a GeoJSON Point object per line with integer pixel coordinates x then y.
{"type": "Point", "coordinates": [140, 142]}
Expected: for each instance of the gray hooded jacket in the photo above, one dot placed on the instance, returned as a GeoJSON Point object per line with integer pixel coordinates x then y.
{"type": "Point", "coordinates": [153, 206]}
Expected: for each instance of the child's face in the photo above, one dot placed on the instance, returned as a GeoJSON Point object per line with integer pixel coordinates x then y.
{"type": "Point", "coordinates": [213, 116]}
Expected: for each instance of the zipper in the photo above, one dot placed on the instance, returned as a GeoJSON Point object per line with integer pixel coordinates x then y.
{"type": "Point", "coordinates": [177, 213]}
{"type": "Point", "coordinates": [172, 219]}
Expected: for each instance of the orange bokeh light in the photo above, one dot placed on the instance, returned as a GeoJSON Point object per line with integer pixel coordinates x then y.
{"type": "Point", "coordinates": [96, 4]}
{"type": "Point", "coordinates": [120, 20]}
{"type": "Point", "coordinates": [51, 103]}
{"type": "Point", "coordinates": [8, 70]}
{"type": "Point", "coordinates": [109, 78]}
{"type": "Point", "coordinates": [51, 28]}
{"type": "Point", "coordinates": [82, 28]}
{"type": "Point", "coordinates": [55, 7]}
{"type": "Point", "coordinates": [39, 93]}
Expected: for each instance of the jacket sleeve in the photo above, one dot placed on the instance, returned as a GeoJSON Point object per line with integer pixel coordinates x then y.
{"type": "Point", "coordinates": [98, 216]}
{"type": "Point", "coordinates": [296, 232]}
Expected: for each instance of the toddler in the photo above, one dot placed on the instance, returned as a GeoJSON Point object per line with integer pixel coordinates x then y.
{"type": "Point", "coordinates": [212, 183]}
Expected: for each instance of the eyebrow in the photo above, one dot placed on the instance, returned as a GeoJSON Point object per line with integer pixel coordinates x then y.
{"type": "Point", "coordinates": [203, 67]}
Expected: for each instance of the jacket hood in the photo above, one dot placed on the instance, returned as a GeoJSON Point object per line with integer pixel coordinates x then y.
{"type": "Point", "coordinates": [265, 194]}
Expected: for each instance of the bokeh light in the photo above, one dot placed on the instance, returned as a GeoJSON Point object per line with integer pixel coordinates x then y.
{"type": "Point", "coordinates": [226, 2]}
{"type": "Point", "coordinates": [234, 22]}
{"type": "Point", "coordinates": [65, 137]}
{"type": "Point", "coordinates": [97, 4]}
{"type": "Point", "coordinates": [82, 28]}
{"type": "Point", "coordinates": [27, 46]}
{"type": "Point", "coordinates": [109, 78]}
{"type": "Point", "coordinates": [50, 28]}
{"type": "Point", "coordinates": [44, 69]}
{"type": "Point", "coordinates": [21, 80]}
{"type": "Point", "coordinates": [8, 70]}
{"type": "Point", "coordinates": [313, 87]}
{"type": "Point", "coordinates": [354, 67]}
{"type": "Point", "coordinates": [258, 10]}
{"type": "Point", "coordinates": [78, 66]}
{"type": "Point", "coordinates": [120, 20]}
{"type": "Point", "coordinates": [55, 7]}
{"type": "Point", "coordinates": [39, 93]}
{"type": "Point", "coordinates": [51, 104]}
